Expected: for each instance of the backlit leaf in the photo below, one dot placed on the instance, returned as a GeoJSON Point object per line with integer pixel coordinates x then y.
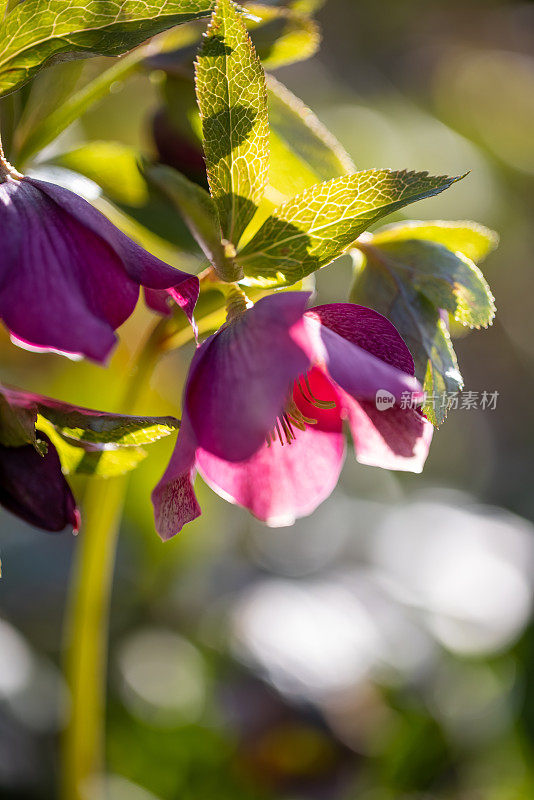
{"type": "Point", "coordinates": [98, 427]}
{"type": "Point", "coordinates": [38, 31]}
{"type": "Point", "coordinates": [198, 209]}
{"type": "Point", "coordinates": [473, 240]}
{"type": "Point", "coordinates": [99, 461]}
{"type": "Point", "coordinates": [450, 281]}
{"type": "Point", "coordinates": [233, 108]}
{"type": "Point", "coordinates": [282, 36]}
{"type": "Point", "coordinates": [317, 226]}
{"type": "Point", "coordinates": [420, 325]}
{"type": "Point", "coordinates": [94, 427]}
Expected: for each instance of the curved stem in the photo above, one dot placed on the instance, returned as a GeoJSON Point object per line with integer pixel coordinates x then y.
{"type": "Point", "coordinates": [87, 615]}
{"type": "Point", "coordinates": [76, 105]}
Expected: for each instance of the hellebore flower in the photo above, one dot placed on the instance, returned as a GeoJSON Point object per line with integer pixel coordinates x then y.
{"type": "Point", "coordinates": [265, 402]}
{"type": "Point", "coordinates": [33, 487]}
{"type": "Point", "coordinates": [68, 277]}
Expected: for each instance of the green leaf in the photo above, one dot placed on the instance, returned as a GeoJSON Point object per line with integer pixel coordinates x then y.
{"type": "Point", "coordinates": [303, 151]}
{"type": "Point", "coordinates": [86, 460]}
{"type": "Point", "coordinates": [98, 427]}
{"type": "Point", "coordinates": [469, 238]}
{"type": "Point", "coordinates": [199, 211]}
{"type": "Point", "coordinates": [317, 226]}
{"type": "Point", "coordinates": [38, 31]}
{"type": "Point", "coordinates": [48, 92]}
{"type": "Point", "coordinates": [34, 135]}
{"type": "Point", "coordinates": [282, 36]}
{"type": "Point", "coordinates": [420, 325]}
{"type": "Point", "coordinates": [233, 107]}
{"type": "Point", "coordinates": [449, 280]}
{"type": "Point", "coordinates": [306, 6]}
{"type": "Point", "coordinates": [113, 166]}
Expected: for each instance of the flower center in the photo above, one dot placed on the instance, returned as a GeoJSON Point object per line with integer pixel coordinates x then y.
{"type": "Point", "coordinates": [292, 417]}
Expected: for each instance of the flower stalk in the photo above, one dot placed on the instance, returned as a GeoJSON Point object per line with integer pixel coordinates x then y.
{"type": "Point", "coordinates": [87, 614]}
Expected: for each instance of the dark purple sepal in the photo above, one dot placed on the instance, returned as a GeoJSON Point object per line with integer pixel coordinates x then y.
{"type": "Point", "coordinates": [34, 488]}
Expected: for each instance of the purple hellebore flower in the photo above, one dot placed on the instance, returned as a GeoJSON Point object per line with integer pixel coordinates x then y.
{"type": "Point", "coordinates": [34, 488]}
{"type": "Point", "coordinates": [68, 277]}
{"type": "Point", "coordinates": [265, 402]}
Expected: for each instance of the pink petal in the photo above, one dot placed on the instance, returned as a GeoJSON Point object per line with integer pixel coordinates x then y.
{"type": "Point", "coordinates": [367, 329]}
{"type": "Point", "coordinates": [240, 377]}
{"type": "Point", "coordinates": [279, 484]}
{"type": "Point", "coordinates": [392, 439]}
{"type": "Point", "coordinates": [175, 503]}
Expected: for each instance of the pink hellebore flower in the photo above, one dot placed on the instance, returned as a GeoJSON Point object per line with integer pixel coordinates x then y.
{"type": "Point", "coordinates": [68, 277]}
{"type": "Point", "coordinates": [264, 406]}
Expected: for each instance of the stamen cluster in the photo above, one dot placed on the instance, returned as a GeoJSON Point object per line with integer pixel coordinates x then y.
{"type": "Point", "coordinates": [293, 416]}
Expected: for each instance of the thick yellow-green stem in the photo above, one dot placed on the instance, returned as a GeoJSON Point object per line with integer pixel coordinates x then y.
{"type": "Point", "coordinates": [86, 639]}
{"type": "Point", "coordinates": [87, 616]}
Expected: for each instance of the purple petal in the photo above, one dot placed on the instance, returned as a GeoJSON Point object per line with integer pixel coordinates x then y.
{"type": "Point", "coordinates": [279, 484]}
{"type": "Point", "coordinates": [240, 378]}
{"type": "Point", "coordinates": [159, 300]}
{"type": "Point", "coordinates": [367, 329]}
{"type": "Point", "coordinates": [34, 488]}
{"type": "Point", "coordinates": [175, 503]}
{"type": "Point", "coordinates": [61, 286]}
{"type": "Point", "coordinates": [142, 267]}
{"type": "Point", "coordinates": [354, 369]}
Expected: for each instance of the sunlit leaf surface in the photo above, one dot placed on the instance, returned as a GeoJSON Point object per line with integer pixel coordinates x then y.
{"type": "Point", "coordinates": [469, 238]}
{"type": "Point", "coordinates": [282, 36]}
{"type": "Point", "coordinates": [37, 31]}
{"type": "Point", "coordinates": [317, 226]}
{"type": "Point", "coordinates": [233, 107]}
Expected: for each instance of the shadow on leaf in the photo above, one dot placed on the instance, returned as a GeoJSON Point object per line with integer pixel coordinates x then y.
{"type": "Point", "coordinates": [227, 130]}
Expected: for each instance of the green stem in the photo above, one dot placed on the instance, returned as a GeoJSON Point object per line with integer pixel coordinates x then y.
{"type": "Point", "coordinates": [87, 616]}
{"type": "Point", "coordinates": [50, 127]}
{"type": "Point", "coordinates": [86, 641]}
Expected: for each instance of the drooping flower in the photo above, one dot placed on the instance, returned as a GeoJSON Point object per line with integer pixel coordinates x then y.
{"type": "Point", "coordinates": [32, 484]}
{"type": "Point", "coordinates": [265, 402]}
{"type": "Point", "coordinates": [33, 487]}
{"type": "Point", "coordinates": [68, 277]}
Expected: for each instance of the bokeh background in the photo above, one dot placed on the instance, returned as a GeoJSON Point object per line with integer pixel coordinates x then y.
{"type": "Point", "coordinates": [382, 649]}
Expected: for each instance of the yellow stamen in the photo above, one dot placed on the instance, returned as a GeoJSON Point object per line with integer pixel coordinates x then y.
{"type": "Point", "coordinates": [292, 416]}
